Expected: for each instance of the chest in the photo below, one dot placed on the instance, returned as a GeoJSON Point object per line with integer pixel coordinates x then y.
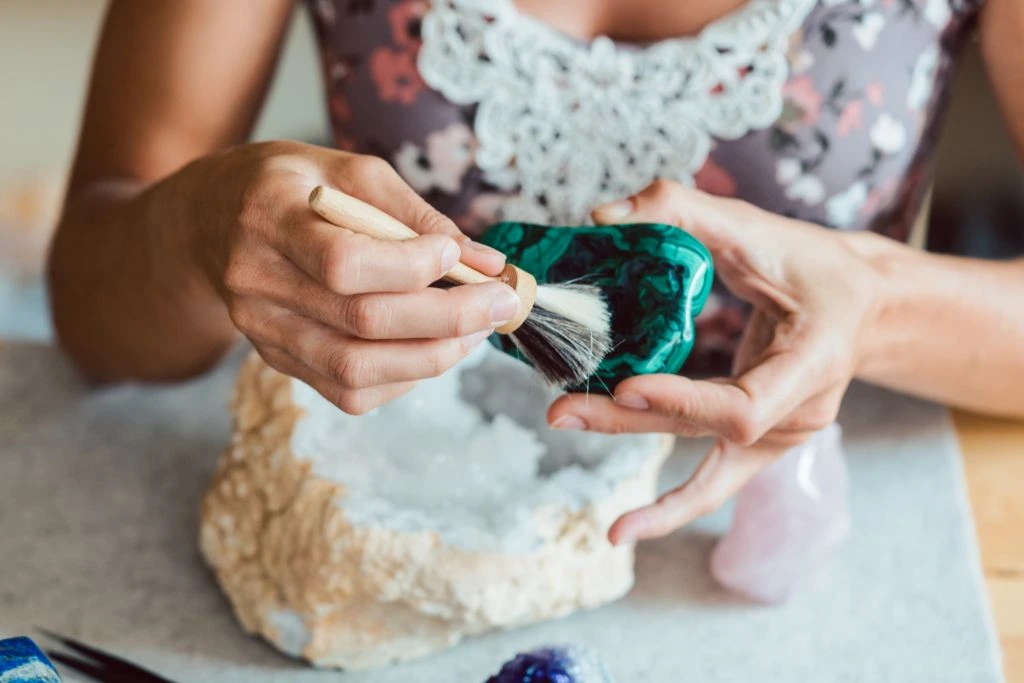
{"type": "Point", "coordinates": [526, 110]}
{"type": "Point", "coordinates": [639, 21]}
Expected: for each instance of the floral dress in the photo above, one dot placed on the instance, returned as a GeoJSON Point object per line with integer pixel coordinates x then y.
{"type": "Point", "coordinates": [823, 110]}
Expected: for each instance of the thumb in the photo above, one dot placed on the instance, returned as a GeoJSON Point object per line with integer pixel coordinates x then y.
{"type": "Point", "coordinates": [749, 245]}
{"type": "Point", "coordinates": [706, 217]}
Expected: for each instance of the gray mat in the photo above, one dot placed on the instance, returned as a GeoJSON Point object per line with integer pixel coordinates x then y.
{"type": "Point", "coordinates": [99, 493]}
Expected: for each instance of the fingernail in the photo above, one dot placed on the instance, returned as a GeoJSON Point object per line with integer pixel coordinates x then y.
{"type": "Point", "coordinates": [504, 306]}
{"type": "Point", "coordinates": [481, 248]}
{"type": "Point", "coordinates": [569, 423]}
{"type": "Point", "coordinates": [616, 211]}
{"type": "Point", "coordinates": [633, 401]}
{"type": "Point", "coordinates": [471, 341]}
{"type": "Point", "coordinates": [450, 256]}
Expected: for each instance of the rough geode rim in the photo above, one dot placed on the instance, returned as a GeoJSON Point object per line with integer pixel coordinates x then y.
{"type": "Point", "coordinates": [301, 575]}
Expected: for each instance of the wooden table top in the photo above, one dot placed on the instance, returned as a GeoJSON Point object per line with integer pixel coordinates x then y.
{"type": "Point", "coordinates": [994, 464]}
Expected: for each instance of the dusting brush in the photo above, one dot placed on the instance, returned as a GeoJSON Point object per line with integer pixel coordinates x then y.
{"type": "Point", "coordinates": [563, 330]}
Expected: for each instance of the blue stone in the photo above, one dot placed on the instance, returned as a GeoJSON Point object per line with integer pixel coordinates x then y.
{"type": "Point", "coordinates": [573, 664]}
{"type": "Point", "coordinates": [21, 661]}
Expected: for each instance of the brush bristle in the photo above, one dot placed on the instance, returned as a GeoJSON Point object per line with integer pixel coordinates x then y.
{"type": "Point", "coordinates": [567, 334]}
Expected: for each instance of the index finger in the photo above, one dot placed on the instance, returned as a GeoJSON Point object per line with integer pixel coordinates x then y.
{"type": "Point", "coordinates": [348, 264]}
{"type": "Point", "coordinates": [379, 184]}
{"type": "Point", "coordinates": [740, 410]}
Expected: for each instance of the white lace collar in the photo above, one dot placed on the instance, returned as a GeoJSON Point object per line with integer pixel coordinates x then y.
{"type": "Point", "coordinates": [566, 125]}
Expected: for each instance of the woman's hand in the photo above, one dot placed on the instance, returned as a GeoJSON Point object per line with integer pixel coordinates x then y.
{"type": "Point", "coordinates": [351, 316]}
{"type": "Point", "coordinates": [812, 298]}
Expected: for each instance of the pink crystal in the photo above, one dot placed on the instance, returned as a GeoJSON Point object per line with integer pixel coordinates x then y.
{"type": "Point", "coordinates": [787, 521]}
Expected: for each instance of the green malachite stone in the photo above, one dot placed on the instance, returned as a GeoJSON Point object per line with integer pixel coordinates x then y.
{"type": "Point", "coordinates": [655, 277]}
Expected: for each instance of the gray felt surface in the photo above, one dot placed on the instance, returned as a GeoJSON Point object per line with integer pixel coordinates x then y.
{"type": "Point", "coordinates": [99, 497]}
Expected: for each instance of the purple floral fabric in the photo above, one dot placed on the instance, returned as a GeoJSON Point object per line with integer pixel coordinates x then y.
{"type": "Point", "coordinates": [863, 99]}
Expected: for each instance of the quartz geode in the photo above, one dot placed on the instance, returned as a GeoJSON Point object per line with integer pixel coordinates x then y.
{"type": "Point", "coordinates": [355, 542]}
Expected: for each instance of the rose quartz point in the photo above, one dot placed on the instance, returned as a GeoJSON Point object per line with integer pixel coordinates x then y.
{"type": "Point", "coordinates": [787, 521]}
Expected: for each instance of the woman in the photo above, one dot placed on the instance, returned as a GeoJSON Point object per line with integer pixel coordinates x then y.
{"type": "Point", "coordinates": [786, 114]}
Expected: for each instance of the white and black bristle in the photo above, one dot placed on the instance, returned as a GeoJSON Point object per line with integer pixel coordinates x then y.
{"type": "Point", "coordinates": [567, 334]}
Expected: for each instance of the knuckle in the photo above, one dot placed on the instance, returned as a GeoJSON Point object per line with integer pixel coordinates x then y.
{"type": "Point", "coordinates": [615, 427]}
{"type": "Point", "coordinates": [687, 429]}
{"type": "Point", "coordinates": [433, 221]}
{"type": "Point", "coordinates": [436, 363]}
{"type": "Point", "coordinates": [269, 149]}
{"type": "Point", "coordinates": [743, 428]}
{"type": "Point", "coordinates": [243, 317]}
{"type": "Point", "coordinates": [277, 360]}
{"type": "Point", "coordinates": [660, 189]}
{"type": "Point", "coordinates": [357, 373]}
{"type": "Point", "coordinates": [368, 317]}
{"type": "Point", "coordinates": [242, 274]}
{"type": "Point", "coordinates": [236, 277]}
{"type": "Point", "coordinates": [424, 262]}
{"type": "Point", "coordinates": [373, 169]}
{"type": "Point", "coordinates": [270, 356]}
{"type": "Point", "coordinates": [462, 320]}
{"type": "Point", "coordinates": [255, 205]}
{"type": "Point", "coordinates": [352, 403]}
{"type": "Point", "coordinates": [608, 425]}
{"type": "Point", "coordinates": [346, 368]}
{"type": "Point", "coordinates": [340, 264]}
{"type": "Point", "coordinates": [680, 408]}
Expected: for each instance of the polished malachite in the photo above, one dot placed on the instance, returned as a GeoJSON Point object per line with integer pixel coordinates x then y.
{"type": "Point", "coordinates": [655, 277]}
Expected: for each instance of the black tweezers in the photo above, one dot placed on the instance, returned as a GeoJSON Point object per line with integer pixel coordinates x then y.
{"type": "Point", "coordinates": [103, 667]}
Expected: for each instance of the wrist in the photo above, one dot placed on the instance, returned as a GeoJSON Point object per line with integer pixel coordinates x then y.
{"type": "Point", "coordinates": [889, 321]}
{"type": "Point", "coordinates": [181, 244]}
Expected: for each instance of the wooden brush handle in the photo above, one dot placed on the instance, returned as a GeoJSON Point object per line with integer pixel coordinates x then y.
{"type": "Point", "coordinates": [356, 215]}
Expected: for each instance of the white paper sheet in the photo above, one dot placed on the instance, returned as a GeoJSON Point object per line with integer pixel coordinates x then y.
{"type": "Point", "coordinates": [99, 497]}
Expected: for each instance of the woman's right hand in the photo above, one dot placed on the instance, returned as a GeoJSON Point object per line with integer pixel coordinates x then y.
{"type": "Point", "coordinates": [351, 316]}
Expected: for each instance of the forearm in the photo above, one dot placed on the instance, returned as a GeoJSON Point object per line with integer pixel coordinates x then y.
{"type": "Point", "coordinates": [947, 329]}
{"type": "Point", "coordinates": [128, 297]}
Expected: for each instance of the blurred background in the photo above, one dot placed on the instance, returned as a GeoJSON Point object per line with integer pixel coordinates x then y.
{"type": "Point", "coordinates": [46, 49]}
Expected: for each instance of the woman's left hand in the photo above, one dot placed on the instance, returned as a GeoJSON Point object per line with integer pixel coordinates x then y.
{"type": "Point", "coordinates": [813, 300]}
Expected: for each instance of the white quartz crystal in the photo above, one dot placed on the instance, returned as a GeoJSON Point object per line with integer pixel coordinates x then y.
{"type": "Point", "coordinates": [358, 541]}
